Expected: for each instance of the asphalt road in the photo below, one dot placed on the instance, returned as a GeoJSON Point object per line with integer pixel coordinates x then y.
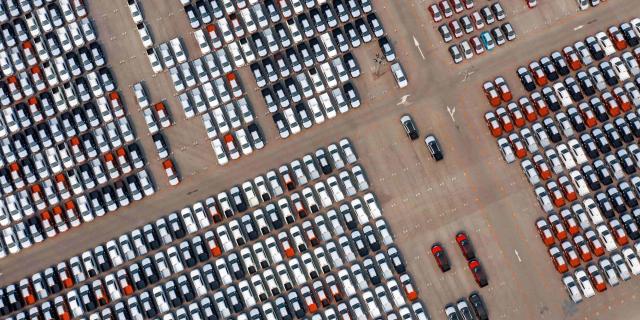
{"type": "Point", "coordinates": [424, 201]}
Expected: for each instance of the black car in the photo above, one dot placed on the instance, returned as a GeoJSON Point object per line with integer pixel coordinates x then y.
{"type": "Point", "coordinates": [612, 135]}
{"type": "Point", "coordinates": [628, 194]}
{"type": "Point", "coordinates": [573, 89]}
{"type": "Point", "coordinates": [591, 177]}
{"type": "Point", "coordinates": [434, 147]}
{"type": "Point", "coordinates": [624, 130]}
{"type": "Point", "coordinates": [603, 172]}
{"type": "Point", "coordinates": [594, 48]}
{"type": "Point", "coordinates": [478, 306]}
{"type": "Point", "coordinates": [589, 146]}
{"type": "Point", "coordinates": [588, 88]}
{"type": "Point", "coordinates": [630, 226]}
{"type": "Point", "coordinates": [409, 126]}
{"type": "Point", "coordinates": [609, 75]}
{"type": "Point", "coordinates": [325, 165]}
{"type": "Point", "coordinates": [616, 199]}
{"type": "Point", "coordinates": [526, 78]}
{"type": "Point", "coordinates": [560, 63]}
{"type": "Point", "coordinates": [605, 205]}
{"type": "Point", "coordinates": [601, 140]}
{"type": "Point", "coordinates": [551, 99]}
{"type": "Point", "coordinates": [634, 123]}
{"type": "Point", "coordinates": [576, 119]}
{"type": "Point", "coordinates": [629, 34]}
{"type": "Point", "coordinates": [549, 69]}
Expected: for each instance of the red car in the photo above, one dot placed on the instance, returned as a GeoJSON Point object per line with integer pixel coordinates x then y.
{"type": "Point", "coordinates": [583, 248]}
{"type": "Point", "coordinates": [505, 120]}
{"type": "Point", "coordinates": [516, 114]}
{"type": "Point", "coordinates": [478, 273]}
{"type": "Point", "coordinates": [538, 74]}
{"type": "Point", "coordinates": [545, 232]}
{"type": "Point", "coordinates": [539, 103]}
{"type": "Point", "coordinates": [570, 253]}
{"type": "Point", "coordinates": [556, 194]}
{"type": "Point", "coordinates": [558, 259]}
{"type": "Point", "coordinates": [409, 290]}
{"type": "Point", "coordinates": [441, 257]}
{"type": "Point", "coordinates": [465, 245]}
{"type": "Point", "coordinates": [532, 3]}
{"type": "Point", "coordinates": [517, 145]}
{"type": "Point", "coordinates": [613, 108]}
{"type": "Point", "coordinates": [493, 124]}
{"type": "Point", "coordinates": [618, 232]}
{"type": "Point", "coordinates": [528, 109]}
{"type": "Point", "coordinates": [622, 98]}
{"type": "Point", "coordinates": [558, 228]}
{"type": "Point", "coordinates": [567, 188]}
{"type": "Point", "coordinates": [596, 278]}
{"type": "Point", "coordinates": [572, 58]}
{"type": "Point", "coordinates": [542, 167]}
{"type": "Point", "coordinates": [214, 247]}
{"type": "Point", "coordinates": [445, 6]}
{"type": "Point", "coordinates": [594, 243]}
{"type": "Point", "coordinates": [588, 115]}
{"type": "Point", "coordinates": [570, 222]}
{"type": "Point", "coordinates": [503, 89]}
{"type": "Point", "coordinates": [617, 38]}
{"type": "Point", "coordinates": [491, 93]}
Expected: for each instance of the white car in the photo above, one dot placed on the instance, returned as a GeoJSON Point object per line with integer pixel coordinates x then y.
{"type": "Point", "coordinates": [565, 156]}
{"type": "Point", "coordinates": [201, 39]}
{"type": "Point", "coordinates": [507, 151]}
{"type": "Point", "coordinates": [577, 151]}
{"type": "Point", "coordinates": [562, 93]}
{"type": "Point", "coordinates": [176, 46]}
{"type": "Point", "coordinates": [136, 14]}
{"type": "Point", "coordinates": [145, 36]}
{"type": "Point", "coordinates": [141, 95]}
{"type": "Point", "coordinates": [606, 237]}
{"type": "Point", "coordinates": [620, 69]}
{"type": "Point", "coordinates": [632, 260]}
{"type": "Point", "coordinates": [156, 66]}
{"type": "Point", "coordinates": [572, 288]}
{"type": "Point", "coordinates": [605, 43]}
{"type": "Point", "coordinates": [221, 155]}
{"type": "Point", "coordinates": [245, 146]}
{"type": "Point", "coordinates": [584, 283]}
{"type": "Point", "coordinates": [399, 75]}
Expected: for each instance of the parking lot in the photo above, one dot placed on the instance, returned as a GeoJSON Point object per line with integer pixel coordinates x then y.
{"type": "Point", "coordinates": [423, 201]}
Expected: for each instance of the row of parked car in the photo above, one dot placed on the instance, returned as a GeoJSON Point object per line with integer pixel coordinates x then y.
{"type": "Point", "coordinates": [584, 54]}
{"type": "Point", "coordinates": [445, 9]}
{"type": "Point", "coordinates": [583, 132]}
{"type": "Point", "coordinates": [487, 40]}
{"type": "Point", "coordinates": [466, 24]}
{"type": "Point", "coordinates": [291, 78]}
{"type": "Point", "coordinates": [265, 269]}
{"type": "Point", "coordinates": [49, 27]}
{"type": "Point", "coordinates": [68, 152]}
{"type": "Point", "coordinates": [461, 309]}
{"type": "Point", "coordinates": [619, 266]}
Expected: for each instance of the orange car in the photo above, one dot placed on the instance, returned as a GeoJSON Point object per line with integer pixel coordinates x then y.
{"type": "Point", "coordinates": [558, 259]}
{"type": "Point", "coordinates": [596, 278]}
{"type": "Point", "coordinates": [558, 228]}
{"type": "Point", "coordinates": [503, 89]}
{"type": "Point", "coordinates": [583, 248]}
{"type": "Point", "coordinates": [516, 114]}
{"type": "Point", "coordinates": [570, 253]}
{"type": "Point", "coordinates": [493, 124]}
{"type": "Point", "coordinates": [408, 287]}
{"type": "Point", "coordinates": [545, 232]}
{"type": "Point", "coordinates": [491, 93]}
